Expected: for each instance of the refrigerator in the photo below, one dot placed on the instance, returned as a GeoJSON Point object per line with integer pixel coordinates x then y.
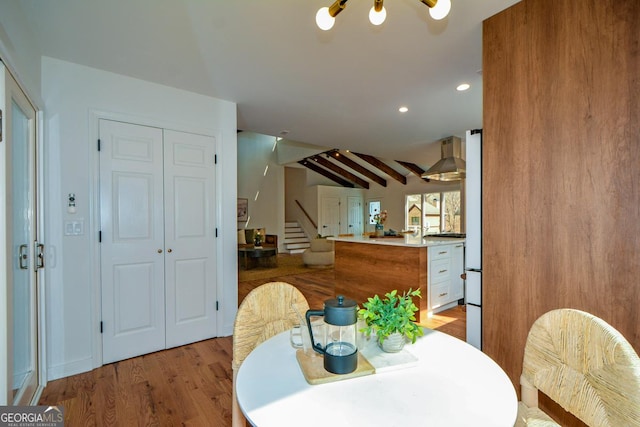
{"type": "Point", "coordinates": [473, 243]}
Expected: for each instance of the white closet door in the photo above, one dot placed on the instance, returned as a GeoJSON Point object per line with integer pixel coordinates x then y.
{"type": "Point", "coordinates": [190, 267]}
{"type": "Point", "coordinates": [330, 222]}
{"type": "Point", "coordinates": [355, 214]}
{"type": "Point", "coordinates": [132, 248]}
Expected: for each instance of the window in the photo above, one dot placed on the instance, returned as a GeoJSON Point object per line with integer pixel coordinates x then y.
{"type": "Point", "coordinates": [434, 212]}
{"type": "Point", "coordinates": [374, 208]}
{"type": "Point", "coordinates": [414, 212]}
{"type": "Point", "coordinates": [451, 212]}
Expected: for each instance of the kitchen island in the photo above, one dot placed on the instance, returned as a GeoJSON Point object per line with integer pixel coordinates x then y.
{"type": "Point", "coordinates": [367, 266]}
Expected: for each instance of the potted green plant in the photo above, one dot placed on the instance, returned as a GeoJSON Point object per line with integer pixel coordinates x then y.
{"type": "Point", "coordinates": [391, 318]}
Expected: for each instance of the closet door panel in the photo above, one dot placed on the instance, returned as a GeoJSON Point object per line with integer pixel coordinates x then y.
{"type": "Point", "coordinates": [132, 233]}
{"type": "Point", "coordinates": [189, 173]}
{"type": "Point", "coordinates": [191, 299]}
{"type": "Point", "coordinates": [190, 207]}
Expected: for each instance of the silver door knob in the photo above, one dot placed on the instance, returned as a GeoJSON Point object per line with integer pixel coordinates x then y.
{"type": "Point", "coordinates": [169, 250]}
{"type": "Point", "coordinates": [159, 251]}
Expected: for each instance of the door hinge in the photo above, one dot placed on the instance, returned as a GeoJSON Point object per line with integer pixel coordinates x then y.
{"type": "Point", "coordinates": [217, 306]}
{"type": "Point", "coordinates": [99, 236]}
{"type": "Point", "coordinates": [216, 231]}
{"type": "Point", "coordinates": [101, 327]}
{"type": "Point", "coordinates": [215, 159]}
{"type": "Point", "coordinates": [98, 144]}
{"type": "Point", "coordinates": [0, 125]}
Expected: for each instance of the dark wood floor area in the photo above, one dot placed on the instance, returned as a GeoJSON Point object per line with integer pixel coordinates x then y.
{"type": "Point", "coordinates": [183, 386]}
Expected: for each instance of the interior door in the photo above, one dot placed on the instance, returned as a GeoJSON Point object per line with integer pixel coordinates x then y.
{"type": "Point", "coordinates": [355, 215]}
{"type": "Point", "coordinates": [132, 240]}
{"type": "Point", "coordinates": [330, 225]}
{"type": "Point", "coordinates": [22, 284]}
{"type": "Point", "coordinates": [190, 267]}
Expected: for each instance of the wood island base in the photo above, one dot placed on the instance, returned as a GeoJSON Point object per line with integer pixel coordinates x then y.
{"type": "Point", "coordinates": [364, 270]}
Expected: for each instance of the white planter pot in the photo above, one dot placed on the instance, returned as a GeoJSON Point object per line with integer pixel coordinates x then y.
{"type": "Point", "coordinates": [393, 343]}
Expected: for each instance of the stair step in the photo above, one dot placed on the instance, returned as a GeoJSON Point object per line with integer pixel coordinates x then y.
{"type": "Point", "coordinates": [298, 246]}
{"type": "Point", "coordinates": [294, 236]}
{"type": "Point", "coordinates": [295, 240]}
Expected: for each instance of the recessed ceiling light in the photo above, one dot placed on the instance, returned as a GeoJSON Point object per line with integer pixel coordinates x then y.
{"type": "Point", "coordinates": [403, 109]}
{"type": "Point", "coordinates": [463, 87]}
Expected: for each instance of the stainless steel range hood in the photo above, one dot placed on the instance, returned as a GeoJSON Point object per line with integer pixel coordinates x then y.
{"type": "Point", "coordinates": [450, 167]}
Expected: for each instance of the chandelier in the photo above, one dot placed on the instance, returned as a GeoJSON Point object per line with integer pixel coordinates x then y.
{"type": "Point", "coordinates": [325, 18]}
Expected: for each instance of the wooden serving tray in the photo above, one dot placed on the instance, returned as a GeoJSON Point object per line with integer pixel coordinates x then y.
{"type": "Point", "coordinates": [312, 366]}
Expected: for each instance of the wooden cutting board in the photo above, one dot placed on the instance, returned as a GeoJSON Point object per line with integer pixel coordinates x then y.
{"type": "Point", "coordinates": [312, 366]}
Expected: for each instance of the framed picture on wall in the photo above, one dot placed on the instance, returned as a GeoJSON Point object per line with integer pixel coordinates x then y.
{"type": "Point", "coordinates": [243, 209]}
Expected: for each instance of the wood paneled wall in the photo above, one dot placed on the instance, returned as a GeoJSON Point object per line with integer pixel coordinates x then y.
{"type": "Point", "coordinates": [561, 177]}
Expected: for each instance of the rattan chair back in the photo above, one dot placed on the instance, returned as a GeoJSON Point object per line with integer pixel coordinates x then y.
{"type": "Point", "coordinates": [585, 365]}
{"type": "Point", "coordinates": [266, 311]}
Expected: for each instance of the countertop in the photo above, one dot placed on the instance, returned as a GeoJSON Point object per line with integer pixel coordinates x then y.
{"type": "Point", "coordinates": [407, 240]}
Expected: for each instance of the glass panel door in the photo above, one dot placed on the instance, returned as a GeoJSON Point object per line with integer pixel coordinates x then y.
{"type": "Point", "coordinates": [22, 331]}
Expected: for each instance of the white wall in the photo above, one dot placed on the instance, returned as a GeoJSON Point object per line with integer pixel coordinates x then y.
{"type": "Point", "coordinates": [296, 189]}
{"type": "Point", "coordinates": [74, 97]}
{"type": "Point", "coordinates": [260, 174]}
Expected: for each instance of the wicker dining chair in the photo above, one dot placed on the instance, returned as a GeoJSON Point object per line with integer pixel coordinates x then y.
{"type": "Point", "coordinates": [266, 311]}
{"type": "Point", "coordinates": [585, 365]}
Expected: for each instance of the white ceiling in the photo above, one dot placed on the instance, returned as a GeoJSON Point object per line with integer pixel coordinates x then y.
{"type": "Point", "coordinates": [338, 89]}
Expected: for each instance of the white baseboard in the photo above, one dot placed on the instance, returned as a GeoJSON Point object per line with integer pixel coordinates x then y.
{"type": "Point", "coordinates": [71, 368]}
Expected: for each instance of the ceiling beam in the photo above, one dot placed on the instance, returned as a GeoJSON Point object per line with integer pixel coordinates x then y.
{"type": "Point", "coordinates": [383, 167]}
{"type": "Point", "coordinates": [337, 169]}
{"type": "Point", "coordinates": [335, 154]}
{"type": "Point", "coordinates": [314, 167]}
{"type": "Point", "coordinates": [415, 169]}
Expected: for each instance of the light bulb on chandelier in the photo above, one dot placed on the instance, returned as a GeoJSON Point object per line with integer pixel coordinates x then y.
{"type": "Point", "coordinates": [377, 18]}
{"type": "Point", "coordinates": [440, 10]}
{"type": "Point", "coordinates": [325, 18]}
{"type": "Point", "coordinates": [378, 13]}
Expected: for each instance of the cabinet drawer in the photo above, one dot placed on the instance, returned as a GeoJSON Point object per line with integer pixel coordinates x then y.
{"type": "Point", "coordinates": [440, 294]}
{"type": "Point", "coordinates": [440, 270]}
{"type": "Point", "coordinates": [438, 252]}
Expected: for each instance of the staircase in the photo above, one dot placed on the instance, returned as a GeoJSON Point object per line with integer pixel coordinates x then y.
{"type": "Point", "coordinates": [295, 239]}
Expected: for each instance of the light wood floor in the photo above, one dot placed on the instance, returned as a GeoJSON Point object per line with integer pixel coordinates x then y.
{"type": "Point", "coordinates": [183, 386]}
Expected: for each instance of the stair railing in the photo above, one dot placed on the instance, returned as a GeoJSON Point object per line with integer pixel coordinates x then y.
{"type": "Point", "coordinates": [306, 214]}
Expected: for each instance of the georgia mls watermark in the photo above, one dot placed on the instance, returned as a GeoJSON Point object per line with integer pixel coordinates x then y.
{"type": "Point", "coordinates": [31, 416]}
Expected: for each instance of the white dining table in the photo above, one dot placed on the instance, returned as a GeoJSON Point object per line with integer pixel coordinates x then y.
{"type": "Point", "coordinates": [451, 384]}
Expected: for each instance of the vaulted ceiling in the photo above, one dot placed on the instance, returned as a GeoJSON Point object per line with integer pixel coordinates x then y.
{"type": "Point", "coordinates": [343, 168]}
{"type": "Point", "coordinates": [338, 89]}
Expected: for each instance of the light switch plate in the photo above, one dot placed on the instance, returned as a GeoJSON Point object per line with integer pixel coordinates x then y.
{"type": "Point", "coordinates": [74, 228]}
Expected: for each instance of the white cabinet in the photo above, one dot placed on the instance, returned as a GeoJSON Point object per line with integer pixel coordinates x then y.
{"type": "Point", "coordinates": [445, 264]}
